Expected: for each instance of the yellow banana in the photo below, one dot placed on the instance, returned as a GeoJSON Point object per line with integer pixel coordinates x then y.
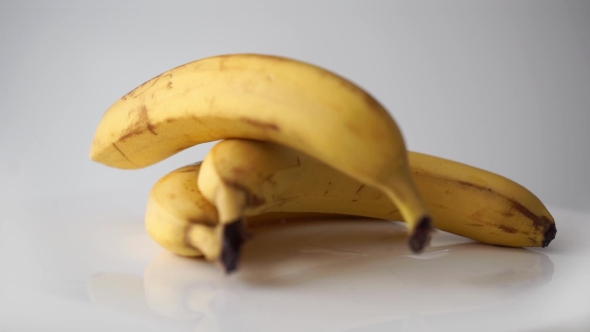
{"type": "Point", "coordinates": [179, 218]}
{"type": "Point", "coordinates": [464, 200]}
{"type": "Point", "coordinates": [182, 221]}
{"type": "Point", "coordinates": [267, 98]}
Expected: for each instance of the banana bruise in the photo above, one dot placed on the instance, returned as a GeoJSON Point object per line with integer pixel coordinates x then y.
{"type": "Point", "coordinates": [267, 98]}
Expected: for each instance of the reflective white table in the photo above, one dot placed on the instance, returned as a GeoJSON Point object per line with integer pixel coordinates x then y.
{"type": "Point", "coordinates": [82, 267]}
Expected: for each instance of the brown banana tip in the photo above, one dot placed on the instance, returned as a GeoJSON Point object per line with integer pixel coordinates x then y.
{"type": "Point", "coordinates": [421, 236]}
{"type": "Point", "coordinates": [234, 236]}
{"type": "Point", "coordinates": [549, 235]}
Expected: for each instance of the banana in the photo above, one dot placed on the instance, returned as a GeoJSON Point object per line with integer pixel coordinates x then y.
{"type": "Point", "coordinates": [464, 200]}
{"type": "Point", "coordinates": [182, 221]}
{"type": "Point", "coordinates": [179, 218]}
{"type": "Point", "coordinates": [267, 98]}
{"type": "Point", "coordinates": [277, 182]}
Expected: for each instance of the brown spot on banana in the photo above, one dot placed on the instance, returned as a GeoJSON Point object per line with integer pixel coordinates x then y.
{"type": "Point", "coordinates": [269, 179]}
{"type": "Point", "coordinates": [252, 200]}
{"type": "Point", "coordinates": [360, 188]}
{"type": "Point", "coordinates": [542, 223]}
{"type": "Point", "coordinates": [538, 222]}
{"type": "Point", "coordinates": [508, 229]}
{"type": "Point", "coordinates": [283, 201]}
{"type": "Point", "coordinates": [260, 124]}
{"type": "Point", "coordinates": [189, 170]}
{"type": "Point", "coordinates": [141, 123]}
{"type": "Point", "coordinates": [144, 87]}
{"type": "Point", "coordinates": [123, 154]}
{"type": "Point", "coordinates": [473, 185]}
{"type": "Point", "coordinates": [477, 216]}
{"type": "Point", "coordinates": [255, 201]}
{"type": "Point", "coordinates": [151, 127]}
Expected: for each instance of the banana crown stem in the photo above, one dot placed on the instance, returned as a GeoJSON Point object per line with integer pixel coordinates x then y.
{"type": "Point", "coordinates": [234, 236]}
{"type": "Point", "coordinates": [403, 193]}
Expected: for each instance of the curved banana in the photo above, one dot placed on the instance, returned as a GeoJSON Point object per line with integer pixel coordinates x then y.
{"type": "Point", "coordinates": [276, 182]}
{"type": "Point", "coordinates": [179, 218]}
{"type": "Point", "coordinates": [267, 98]}
{"type": "Point", "coordinates": [182, 221]}
{"type": "Point", "coordinates": [265, 177]}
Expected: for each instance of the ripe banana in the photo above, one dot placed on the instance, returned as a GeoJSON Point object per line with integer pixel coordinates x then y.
{"type": "Point", "coordinates": [182, 221]}
{"type": "Point", "coordinates": [264, 177]}
{"type": "Point", "coordinates": [267, 98]}
{"type": "Point", "coordinates": [270, 178]}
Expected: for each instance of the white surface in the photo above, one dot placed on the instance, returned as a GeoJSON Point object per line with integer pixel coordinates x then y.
{"type": "Point", "coordinates": [501, 85]}
{"type": "Point", "coordinates": [84, 269]}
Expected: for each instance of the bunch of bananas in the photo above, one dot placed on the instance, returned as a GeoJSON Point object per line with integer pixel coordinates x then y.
{"type": "Point", "coordinates": [297, 141]}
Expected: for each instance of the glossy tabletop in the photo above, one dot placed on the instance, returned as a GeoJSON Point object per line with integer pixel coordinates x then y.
{"type": "Point", "coordinates": [88, 270]}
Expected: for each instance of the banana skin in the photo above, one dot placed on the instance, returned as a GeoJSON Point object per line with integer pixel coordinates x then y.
{"type": "Point", "coordinates": [182, 221]}
{"type": "Point", "coordinates": [462, 198]}
{"type": "Point", "coordinates": [267, 98]}
{"type": "Point", "coordinates": [280, 183]}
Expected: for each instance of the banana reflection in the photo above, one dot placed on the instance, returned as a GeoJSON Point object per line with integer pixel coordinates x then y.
{"type": "Point", "coordinates": [335, 275]}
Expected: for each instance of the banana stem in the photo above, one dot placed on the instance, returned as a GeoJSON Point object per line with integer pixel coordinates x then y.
{"type": "Point", "coordinates": [234, 236]}
{"type": "Point", "coordinates": [402, 191]}
{"type": "Point", "coordinates": [231, 203]}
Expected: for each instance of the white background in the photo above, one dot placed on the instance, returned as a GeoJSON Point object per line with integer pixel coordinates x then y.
{"type": "Point", "coordinates": [494, 84]}
{"type": "Point", "coordinates": [501, 85]}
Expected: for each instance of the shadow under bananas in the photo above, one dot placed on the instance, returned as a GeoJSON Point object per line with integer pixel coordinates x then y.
{"type": "Point", "coordinates": [334, 275]}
